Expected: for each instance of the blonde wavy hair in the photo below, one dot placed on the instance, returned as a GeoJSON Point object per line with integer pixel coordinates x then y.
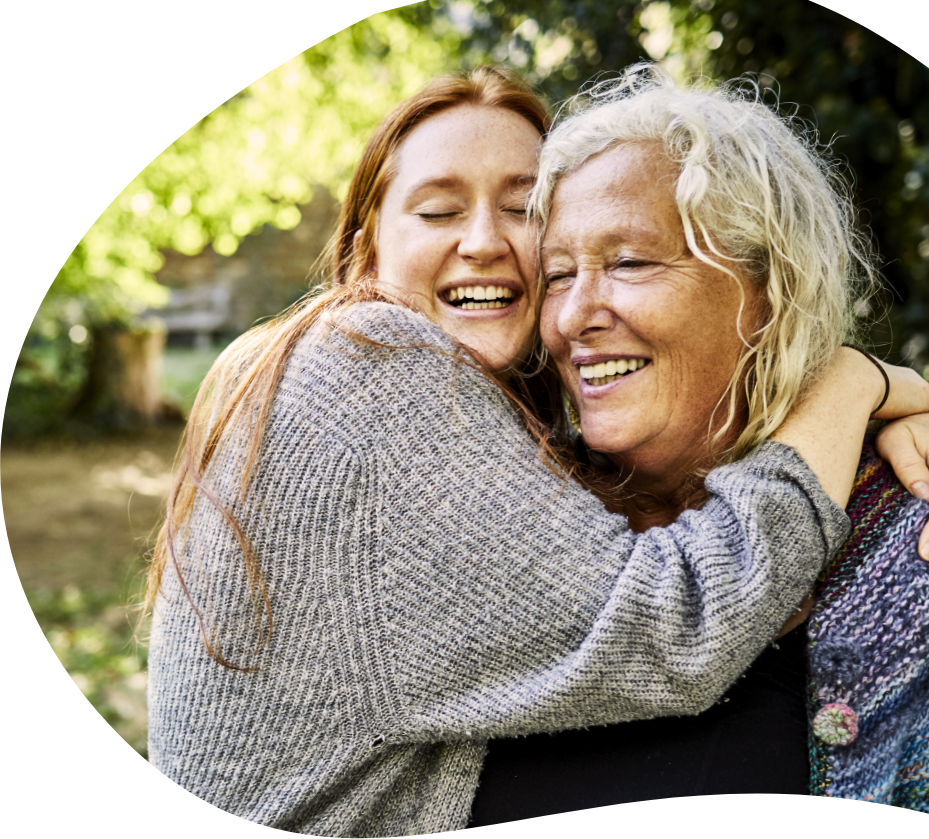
{"type": "Point", "coordinates": [759, 200]}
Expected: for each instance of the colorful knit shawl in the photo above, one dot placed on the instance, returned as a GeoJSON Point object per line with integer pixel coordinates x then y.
{"type": "Point", "coordinates": [869, 652]}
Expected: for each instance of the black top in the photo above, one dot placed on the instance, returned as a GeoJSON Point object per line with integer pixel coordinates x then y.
{"type": "Point", "coordinates": [754, 740]}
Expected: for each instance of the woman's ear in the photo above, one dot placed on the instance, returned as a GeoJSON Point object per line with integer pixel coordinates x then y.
{"type": "Point", "coordinates": [372, 266]}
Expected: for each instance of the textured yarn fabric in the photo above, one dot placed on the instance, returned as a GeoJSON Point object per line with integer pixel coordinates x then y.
{"type": "Point", "coordinates": [433, 584]}
{"type": "Point", "coordinates": [869, 652]}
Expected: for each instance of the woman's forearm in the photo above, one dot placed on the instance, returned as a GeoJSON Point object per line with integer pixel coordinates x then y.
{"type": "Point", "coordinates": [827, 428]}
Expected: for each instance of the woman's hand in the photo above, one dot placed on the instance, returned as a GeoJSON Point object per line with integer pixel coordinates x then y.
{"type": "Point", "coordinates": [904, 444]}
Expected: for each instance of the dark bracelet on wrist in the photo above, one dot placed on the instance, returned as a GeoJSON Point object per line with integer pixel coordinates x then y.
{"type": "Point", "coordinates": [883, 372]}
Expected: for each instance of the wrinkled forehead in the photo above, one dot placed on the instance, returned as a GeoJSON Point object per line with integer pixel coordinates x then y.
{"type": "Point", "coordinates": [632, 184]}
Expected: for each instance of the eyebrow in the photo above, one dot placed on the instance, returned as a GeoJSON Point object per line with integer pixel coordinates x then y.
{"type": "Point", "coordinates": [451, 182]}
{"type": "Point", "coordinates": [608, 239]}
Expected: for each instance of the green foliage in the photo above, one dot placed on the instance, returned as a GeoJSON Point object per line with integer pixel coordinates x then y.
{"type": "Point", "coordinates": [556, 44]}
{"type": "Point", "coordinates": [868, 99]}
{"type": "Point", "coordinates": [249, 163]}
{"type": "Point", "coordinates": [255, 158]}
{"type": "Point", "coordinates": [93, 637]}
{"type": "Point", "coordinates": [47, 382]}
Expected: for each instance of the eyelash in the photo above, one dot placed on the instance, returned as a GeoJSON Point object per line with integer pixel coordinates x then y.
{"type": "Point", "coordinates": [520, 211]}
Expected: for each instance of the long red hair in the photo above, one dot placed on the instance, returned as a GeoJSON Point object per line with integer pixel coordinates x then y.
{"type": "Point", "coordinates": [235, 399]}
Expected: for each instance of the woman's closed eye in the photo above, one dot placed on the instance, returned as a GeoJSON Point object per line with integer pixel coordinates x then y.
{"type": "Point", "coordinates": [555, 280]}
{"type": "Point", "coordinates": [631, 262]}
{"type": "Point", "coordinates": [519, 211]}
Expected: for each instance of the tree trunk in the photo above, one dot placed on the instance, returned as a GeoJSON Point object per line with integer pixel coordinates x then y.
{"type": "Point", "coordinates": [124, 381]}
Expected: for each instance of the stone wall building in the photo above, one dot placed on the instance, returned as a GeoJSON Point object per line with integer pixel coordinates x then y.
{"type": "Point", "coordinates": [216, 297]}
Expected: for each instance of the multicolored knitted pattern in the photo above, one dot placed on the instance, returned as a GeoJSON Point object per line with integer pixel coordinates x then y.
{"type": "Point", "coordinates": [869, 651]}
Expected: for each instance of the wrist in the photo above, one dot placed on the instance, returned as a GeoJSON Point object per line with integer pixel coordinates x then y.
{"type": "Point", "coordinates": [867, 376]}
{"type": "Point", "coordinates": [884, 392]}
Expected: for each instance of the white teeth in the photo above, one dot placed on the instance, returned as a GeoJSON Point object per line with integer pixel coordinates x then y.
{"type": "Point", "coordinates": [607, 371]}
{"type": "Point", "coordinates": [490, 293]}
{"type": "Point", "coordinates": [487, 304]}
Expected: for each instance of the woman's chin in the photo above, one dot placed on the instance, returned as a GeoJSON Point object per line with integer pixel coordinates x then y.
{"type": "Point", "coordinates": [501, 349]}
{"type": "Point", "coordinates": [605, 444]}
{"type": "Point", "coordinates": [622, 443]}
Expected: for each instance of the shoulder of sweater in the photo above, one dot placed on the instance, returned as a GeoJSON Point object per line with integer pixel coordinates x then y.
{"type": "Point", "coordinates": [776, 460]}
{"type": "Point", "coordinates": [379, 357]}
{"type": "Point", "coordinates": [393, 340]}
{"type": "Point", "coordinates": [393, 325]}
{"type": "Point", "coordinates": [772, 457]}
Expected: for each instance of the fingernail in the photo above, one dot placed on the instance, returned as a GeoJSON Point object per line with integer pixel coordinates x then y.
{"type": "Point", "coordinates": [921, 490]}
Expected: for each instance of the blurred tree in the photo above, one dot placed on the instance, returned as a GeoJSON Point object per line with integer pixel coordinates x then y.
{"type": "Point", "coordinates": [252, 161]}
{"type": "Point", "coordinates": [868, 100]}
{"type": "Point", "coordinates": [247, 164]}
{"type": "Point", "coordinates": [556, 44]}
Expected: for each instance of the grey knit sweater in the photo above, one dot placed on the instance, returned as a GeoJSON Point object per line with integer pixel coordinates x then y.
{"type": "Point", "coordinates": [433, 584]}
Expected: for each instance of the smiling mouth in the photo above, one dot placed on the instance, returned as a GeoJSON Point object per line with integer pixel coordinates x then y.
{"type": "Point", "coordinates": [479, 297]}
{"type": "Point", "coordinates": [606, 372]}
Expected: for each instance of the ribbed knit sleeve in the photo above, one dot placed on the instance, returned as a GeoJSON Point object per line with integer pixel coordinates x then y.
{"type": "Point", "coordinates": [510, 601]}
{"type": "Point", "coordinates": [432, 584]}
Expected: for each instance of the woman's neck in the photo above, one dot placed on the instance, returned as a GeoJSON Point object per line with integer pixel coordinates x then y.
{"type": "Point", "coordinates": [658, 484]}
{"type": "Point", "coordinates": [658, 504]}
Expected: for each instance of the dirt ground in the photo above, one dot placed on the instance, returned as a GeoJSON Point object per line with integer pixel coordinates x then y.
{"type": "Point", "coordinates": [80, 519]}
{"type": "Point", "coordinates": [81, 514]}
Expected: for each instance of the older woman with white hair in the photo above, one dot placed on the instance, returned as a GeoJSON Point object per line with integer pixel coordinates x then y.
{"type": "Point", "coordinates": [702, 266]}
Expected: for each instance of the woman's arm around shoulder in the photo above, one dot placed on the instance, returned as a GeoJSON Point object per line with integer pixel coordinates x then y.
{"type": "Point", "coordinates": [509, 600]}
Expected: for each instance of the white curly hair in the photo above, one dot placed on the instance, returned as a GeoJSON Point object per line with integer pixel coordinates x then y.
{"type": "Point", "coordinates": [759, 200]}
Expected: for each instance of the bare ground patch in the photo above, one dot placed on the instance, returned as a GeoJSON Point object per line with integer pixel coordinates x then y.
{"type": "Point", "coordinates": [80, 517]}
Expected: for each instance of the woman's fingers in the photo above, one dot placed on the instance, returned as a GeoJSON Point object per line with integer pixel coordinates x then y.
{"type": "Point", "coordinates": [904, 444]}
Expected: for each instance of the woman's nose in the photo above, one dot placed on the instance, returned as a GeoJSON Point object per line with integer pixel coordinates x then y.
{"type": "Point", "coordinates": [585, 308]}
{"type": "Point", "coordinates": [482, 239]}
